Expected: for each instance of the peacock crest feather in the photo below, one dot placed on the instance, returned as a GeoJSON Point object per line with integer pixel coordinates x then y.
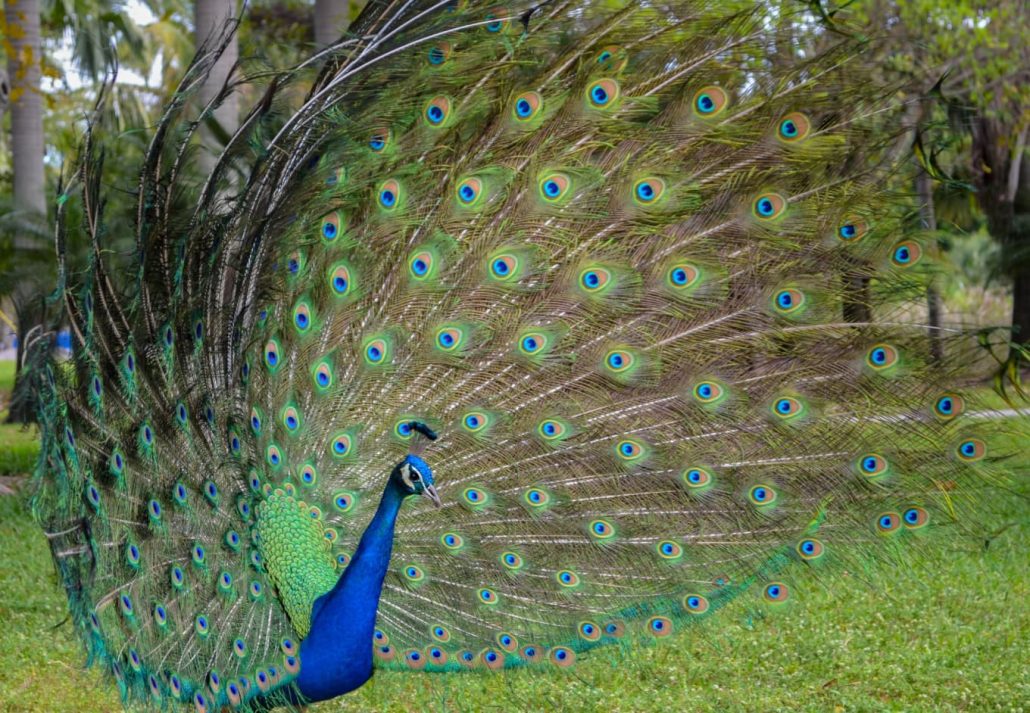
{"type": "Point", "coordinates": [602, 253]}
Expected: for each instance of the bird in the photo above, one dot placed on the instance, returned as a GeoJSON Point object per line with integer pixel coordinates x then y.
{"type": "Point", "coordinates": [498, 336]}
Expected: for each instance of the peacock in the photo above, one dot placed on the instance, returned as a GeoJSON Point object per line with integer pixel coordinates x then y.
{"type": "Point", "coordinates": [498, 335]}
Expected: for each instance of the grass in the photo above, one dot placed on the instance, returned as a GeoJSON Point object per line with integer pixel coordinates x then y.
{"type": "Point", "coordinates": [947, 634]}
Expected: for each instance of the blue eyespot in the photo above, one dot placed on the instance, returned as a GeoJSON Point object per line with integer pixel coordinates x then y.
{"type": "Point", "coordinates": [387, 198]}
{"type": "Point", "coordinates": [645, 191]}
{"type": "Point", "coordinates": [616, 360]}
{"type": "Point", "coordinates": [848, 231]}
{"type": "Point", "coordinates": [523, 108]}
{"type": "Point", "coordinates": [552, 189]}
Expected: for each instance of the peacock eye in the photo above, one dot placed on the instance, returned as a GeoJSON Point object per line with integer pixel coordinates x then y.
{"type": "Point", "coordinates": [415, 476]}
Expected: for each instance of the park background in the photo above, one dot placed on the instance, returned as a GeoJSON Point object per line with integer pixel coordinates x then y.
{"type": "Point", "coordinates": [948, 634]}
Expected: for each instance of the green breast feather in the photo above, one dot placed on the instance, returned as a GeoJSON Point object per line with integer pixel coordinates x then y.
{"type": "Point", "coordinates": [296, 551]}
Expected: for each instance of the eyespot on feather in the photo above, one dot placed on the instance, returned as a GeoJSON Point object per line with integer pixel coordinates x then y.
{"type": "Point", "coordinates": [888, 523]}
{"type": "Point", "coordinates": [469, 192]}
{"type": "Point", "coordinates": [852, 229]}
{"type": "Point", "coordinates": [439, 53]}
{"type": "Point", "coordinates": [659, 626]}
{"type": "Point", "coordinates": [612, 58]}
{"type": "Point", "coordinates": [775, 593]}
{"type": "Point", "coordinates": [437, 112]}
{"type": "Point", "coordinates": [788, 408]}
{"type": "Point", "coordinates": [768, 206]}
{"type": "Point", "coordinates": [872, 465]}
{"type": "Point", "coordinates": [948, 406]}
{"type": "Point", "coordinates": [971, 450]}
{"type": "Point", "coordinates": [527, 106]}
{"type": "Point", "coordinates": [762, 495]}
{"type": "Point", "coordinates": [697, 478]}
{"type": "Point", "coordinates": [380, 139]}
{"type": "Point", "coordinates": [710, 101]}
{"type": "Point", "coordinates": [331, 227]}
{"type": "Point", "coordinates": [881, 357]}
{"type": "Point", "coordinates": [810, 549]}
{"type": "Point", "coordinates": [906, 254]}
{"type": "Point", "coordinates": [554, 187]}
{"type": "Point", "coordinates": [915, 518]}
{"type": "Point", "coordinates": [793, 128]}
{"type": "Point", "coordinates": [708, 392]}
{"type": "Point", "coordinates": [669, 550]}
{"type": "Point", "coordinates": [389, 195]}
{"type": "Point", "coordinates": [648, 191]}
{"type": "Point", "coordinates": [695, 604]}
{"type": "Point", "coordinates": [562, 656]}
{"type": "Point", "coordinates": [602, 94]}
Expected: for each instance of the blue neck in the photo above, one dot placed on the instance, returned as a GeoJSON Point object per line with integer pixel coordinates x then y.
{"type": "Point", "coordinates": [336, 656]}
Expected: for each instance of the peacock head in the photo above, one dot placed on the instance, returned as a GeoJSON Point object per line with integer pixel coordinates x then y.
{"type": "Point", "coordinates": [414, 477]}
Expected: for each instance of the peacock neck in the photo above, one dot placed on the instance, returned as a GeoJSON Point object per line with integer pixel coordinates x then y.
{"type": "Point", "coordinates": [336, 656]}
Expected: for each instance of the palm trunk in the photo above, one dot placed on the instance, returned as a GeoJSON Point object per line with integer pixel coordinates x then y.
{"type": "Point", "coordinates": [212, 17]}
{"type": "Point", "coordinates": [332, 17]}
{"type": "Point", "coordinates": [26, 108]}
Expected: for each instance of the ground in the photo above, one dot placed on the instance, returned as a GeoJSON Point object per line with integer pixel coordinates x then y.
{"type": "Point", "coordinates": [947, 633]}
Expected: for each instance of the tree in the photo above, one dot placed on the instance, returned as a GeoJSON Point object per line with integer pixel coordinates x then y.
{"type": "Point", "coordinates": [332, 18]}
{"type": "Point", "coordinates": [24, 54]}
{"type": "Point", "coordinates": [212, 19]}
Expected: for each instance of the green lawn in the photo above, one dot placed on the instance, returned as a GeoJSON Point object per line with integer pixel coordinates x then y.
{"type": "Point", "coordinates": [949, 636]}
{"type": "Point", "coordinates": [950, 633]}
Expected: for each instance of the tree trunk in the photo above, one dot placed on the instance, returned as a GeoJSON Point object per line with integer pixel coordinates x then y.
{"type": "Point", "coordinates": [1018, 259]}
{"type": "Point", "coordinates": [928, 218]}
{"type": "Point", "coordinates": [26, 108]}
{"type": "Point", "coordinates": [1003, 192]}
{"type": "Point", "coordinates": [332, 17]}
{"type": "Point", "coordinates": [26, 104]}
{"type": "Point", "coordinates": [212, 17]}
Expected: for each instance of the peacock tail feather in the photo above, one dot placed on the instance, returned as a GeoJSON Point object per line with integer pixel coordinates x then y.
{"type": "Point", "coordinates": [611, 252]}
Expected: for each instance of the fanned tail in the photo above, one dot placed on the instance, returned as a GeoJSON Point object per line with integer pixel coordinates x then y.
{"type": "Point", "coordinates": [643, 279]}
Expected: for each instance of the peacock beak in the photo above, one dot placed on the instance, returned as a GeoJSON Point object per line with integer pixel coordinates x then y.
{"type": "Point", "coordinates": [430, 492]}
